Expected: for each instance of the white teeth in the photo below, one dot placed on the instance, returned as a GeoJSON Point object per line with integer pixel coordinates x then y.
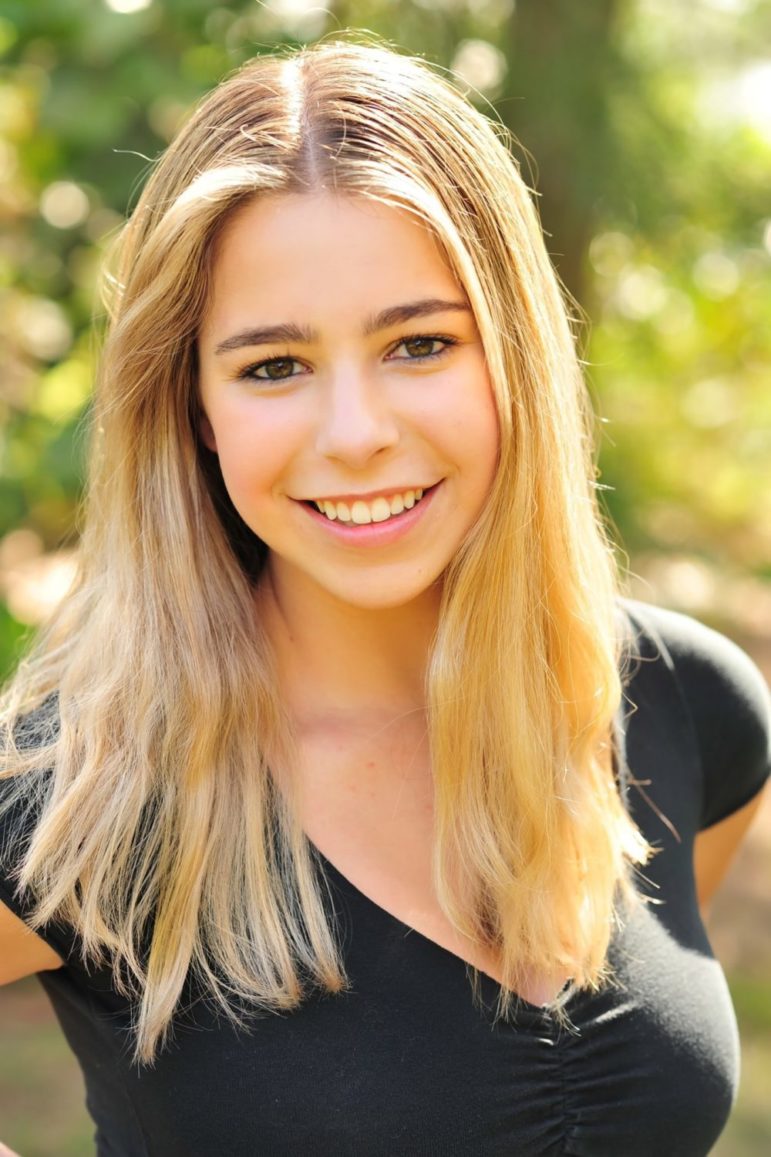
{"type": "Point", "coordinates": [380, 510]}
{"type": "Point", "coordinates": [361, 513]}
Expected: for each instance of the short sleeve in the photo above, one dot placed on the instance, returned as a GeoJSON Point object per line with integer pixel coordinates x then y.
{"type": "Point", "coordinates": [728, 702]}
{"type": "Point", "coordinates": [19, 813]}
{"type": "Point", "coordinates": [17, 824]}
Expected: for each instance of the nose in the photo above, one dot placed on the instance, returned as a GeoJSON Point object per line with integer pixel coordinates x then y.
{"type": "Point", "coordinates": [356, 421]}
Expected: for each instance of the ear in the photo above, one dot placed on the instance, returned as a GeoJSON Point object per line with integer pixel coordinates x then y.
{"type": "Point", "coordinates": [206, 431]}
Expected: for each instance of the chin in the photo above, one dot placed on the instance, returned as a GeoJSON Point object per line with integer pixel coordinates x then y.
{"type": "Point", "coordinates": [375, 596]}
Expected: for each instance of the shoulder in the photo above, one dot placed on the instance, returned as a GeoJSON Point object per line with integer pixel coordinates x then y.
{"type": "Point", "coordinates": [714, 674]}
{"type": "Point", "coordinates": [20, 952]}
{"type": "Point", "coordinates": [21, 805]}
{"type": "Point", "coordinates": [26, 742]}
{"type": "Point", "coordinates": [724, 695]}
{"type": "Point", "coordinates": [24, 790]}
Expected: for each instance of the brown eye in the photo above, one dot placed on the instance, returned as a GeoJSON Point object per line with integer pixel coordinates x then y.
{"type": "Point", "coordinates": [420, 347]}
{"type": "Point", "coordinates": [277, 369]}
{"type": "Point", "coordinates": [272, 370]}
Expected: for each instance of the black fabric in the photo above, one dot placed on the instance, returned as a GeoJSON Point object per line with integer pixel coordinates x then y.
{"type": "Point", "coordinates": [405, 1062]}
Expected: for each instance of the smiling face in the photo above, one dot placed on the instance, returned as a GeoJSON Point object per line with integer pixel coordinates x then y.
{"type": "Point", "coordinates": [346, 394]}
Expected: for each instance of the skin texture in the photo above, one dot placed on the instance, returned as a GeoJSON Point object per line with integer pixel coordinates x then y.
{"type": "Point", "coordinates": [716, 847]}
{"type": "Point", "coordinates": [361, 413]}
{"type": "Point", "coordinates": [21, 951]}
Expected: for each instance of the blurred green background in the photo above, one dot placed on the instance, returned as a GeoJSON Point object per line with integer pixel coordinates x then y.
{"type": "Point", "coordinates": [646, 131]}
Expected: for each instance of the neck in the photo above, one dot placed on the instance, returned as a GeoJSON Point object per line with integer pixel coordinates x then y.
{"type": "Point", "coordinates": [338, 660]}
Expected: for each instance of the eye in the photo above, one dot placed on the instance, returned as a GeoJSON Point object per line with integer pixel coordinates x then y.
{"type": "Point", "coordinates": [272, 370]}
{"type": "Point", "coordinates": [421, 347]}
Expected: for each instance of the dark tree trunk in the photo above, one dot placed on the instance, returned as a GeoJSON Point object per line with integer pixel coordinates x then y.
{"type": "Point", "coordinates": [562, 69]}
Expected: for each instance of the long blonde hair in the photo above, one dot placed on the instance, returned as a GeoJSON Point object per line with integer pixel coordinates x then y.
{"type": "Point", "coordinates": [161, 836]}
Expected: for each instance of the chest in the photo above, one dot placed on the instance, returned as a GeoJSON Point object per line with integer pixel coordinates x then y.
{"type": "Point", "coordinates": [366, 803]}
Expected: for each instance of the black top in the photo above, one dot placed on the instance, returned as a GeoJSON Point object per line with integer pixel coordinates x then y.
{"type": "Point", "coordinates": [405, 1062]}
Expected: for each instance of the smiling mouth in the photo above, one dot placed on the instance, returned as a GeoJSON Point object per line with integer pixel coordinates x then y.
{"type": "Point", "coordinates": [362, 513]}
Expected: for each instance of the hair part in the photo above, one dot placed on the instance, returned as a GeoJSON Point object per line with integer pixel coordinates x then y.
{"type": "Point", "coordinates": [162, 837]}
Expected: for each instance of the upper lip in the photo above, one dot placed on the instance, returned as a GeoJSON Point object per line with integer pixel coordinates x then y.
{"type": "Point", "coordinates": [370, 496]}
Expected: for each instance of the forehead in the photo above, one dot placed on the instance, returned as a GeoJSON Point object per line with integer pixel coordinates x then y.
{"type": "Point", "coordinates": [316, 254]}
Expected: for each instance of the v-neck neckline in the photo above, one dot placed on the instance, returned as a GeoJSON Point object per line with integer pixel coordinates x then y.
{"type": "Point", "coordinates": [566, 994]}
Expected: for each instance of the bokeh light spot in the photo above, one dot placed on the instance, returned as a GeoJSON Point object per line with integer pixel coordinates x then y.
{"type": "Point", "coordinates": [42, 327]}
{"type": "Point", "coordinates": [481, 65]}
{"type": "Point", "coordinates": [33, 583]}
{"type": "Point", "coordinates": [64, 205]}
{"type": "Point", "coordinates": [767, 237]}
{"type": "Point", "coordinates": [716, 275]}
{"type": "Point", "coordinates": [709, 404]}
{"type": "Point", "coordinates": [125, 7]}
{"type": "Point", "coordinates": [640, 292]}
{"type": "Point", "coordinates": [610, 252]}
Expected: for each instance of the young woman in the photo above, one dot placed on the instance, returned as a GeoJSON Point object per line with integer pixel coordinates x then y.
{"type": "Point", "coordinates": [327, 791]}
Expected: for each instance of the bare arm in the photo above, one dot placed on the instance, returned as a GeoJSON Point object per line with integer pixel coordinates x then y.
{"type": "Point", "coordinates": [716, 847]}
{"type": "Point", "coordinates": [21, 951]}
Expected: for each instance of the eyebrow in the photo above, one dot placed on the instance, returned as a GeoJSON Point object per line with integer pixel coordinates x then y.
{"type": "Point", "coordinates": [289, 332]}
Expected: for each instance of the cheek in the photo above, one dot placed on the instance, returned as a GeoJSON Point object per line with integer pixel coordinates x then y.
{"type": "Point", "coordinates": [476, 431]}
{"type": "Point", "coordinates": [244, 458]}
{"type": "Point", "coordinates": [249, 476]}
{"type": "Point", "coordinates": [252, 456]}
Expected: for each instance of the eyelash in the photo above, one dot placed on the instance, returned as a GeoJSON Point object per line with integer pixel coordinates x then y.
{"type": "Point", "coordinates": [249, 373]}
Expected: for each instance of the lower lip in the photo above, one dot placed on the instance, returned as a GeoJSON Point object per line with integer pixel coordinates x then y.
{"type": "Point", "coordinates": [375, 533]}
